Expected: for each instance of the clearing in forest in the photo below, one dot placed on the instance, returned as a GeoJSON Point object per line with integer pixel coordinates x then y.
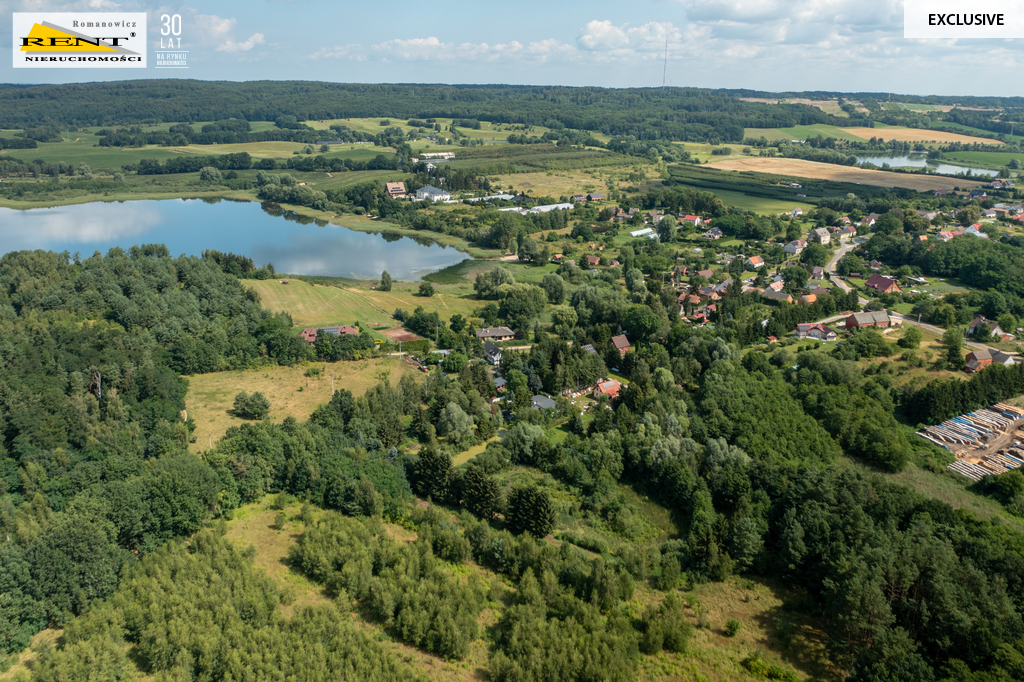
{"type": "Point", "coordinates": [317, 305]}
{"type": "Point", "coordinates": [291, 393]}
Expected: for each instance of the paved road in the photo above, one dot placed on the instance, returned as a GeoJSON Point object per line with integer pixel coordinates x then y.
{"type": "Point", "coordinates": [831, 267]}
{"type": "Point", "coordinates": [940, 331]}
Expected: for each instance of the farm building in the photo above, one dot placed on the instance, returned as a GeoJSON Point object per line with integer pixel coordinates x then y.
{"type": "Point", "coordinates": [309, 334]}
{"type": "Point", "coordinates": [870, 318]}
{"type": "Point", "coordinates": [496, 334]}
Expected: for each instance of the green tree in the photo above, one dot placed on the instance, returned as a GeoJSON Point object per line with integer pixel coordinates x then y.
{"type": "Point", "coordinates": [481, 494]}
{"type": "Point", "coordinates": [667, 230]}
{"type": "Point", "coordinates": [814, 254]}
{"type": "Point", "coordinates": [385, 282]}
{"type": "Point", "coordinates": [433, 473]}
{"type": "Point", "coordinates": [554, 286]}
{"type": "Point", "coordinates": [210, 174]}
{"type": "Point", "coordinates": [251, 406]}
{"type": "Point", "coordinates": [530, 510]}
{"type": "Point", "coordinates": [953, 342]}
{"type": "Point", "coordinates": [426, 289]}
{"type": "Point", "coordinates": [911, 338]}
{"type": "Point", "coordinates": [75, 560]}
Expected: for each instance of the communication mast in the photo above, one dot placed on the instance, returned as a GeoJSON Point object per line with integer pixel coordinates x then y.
{"type": "Point", "coordinates": [664, 71]}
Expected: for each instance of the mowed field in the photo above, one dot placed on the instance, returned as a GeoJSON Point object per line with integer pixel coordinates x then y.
{"type": "Point", "coordinates": [828, 171]}
{"type": "Point", "coordinates": [291, 393]}
{"type": "Point", "coordinates": [800, 133]}
{"type": "Point", "coordinates": [317, 305]}
{"type": "Point", "coordinates": [916, 135]}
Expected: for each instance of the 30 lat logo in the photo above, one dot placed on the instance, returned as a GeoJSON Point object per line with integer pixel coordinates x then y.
{"type": "Point", "coordinates": [171, 56]}
{"type": "Point", "coordinates": [76, 40]}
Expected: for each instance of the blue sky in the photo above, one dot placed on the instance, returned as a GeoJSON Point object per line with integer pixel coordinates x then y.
{"type": "Point", "coordinates": [846, 45]}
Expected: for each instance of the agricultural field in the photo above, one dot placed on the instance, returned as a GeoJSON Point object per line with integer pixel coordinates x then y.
{"type": "Point", "coordinates": [835, 173]}
{"type": "Point", "coordinates": [800, 133]}
{"type": "Point", "coordinates": [760, 205]}
{"type": "Point", "coordinates": [990, 159]}
{"type": "Point", "coordinates": [916, 135]}
{"type": "Point", "coordinates": [291, 393]}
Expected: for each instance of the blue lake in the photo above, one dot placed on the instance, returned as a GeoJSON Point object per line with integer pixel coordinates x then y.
{"type": "Point", "coordinates": [922, 161]}
{"type": "Point", "coordinates": [295, 244]}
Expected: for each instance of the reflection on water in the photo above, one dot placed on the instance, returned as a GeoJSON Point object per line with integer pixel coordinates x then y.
{"type": "Point", "coordinates": [922, 161]}
{"type": "Point", "coordinates": [297, 244]}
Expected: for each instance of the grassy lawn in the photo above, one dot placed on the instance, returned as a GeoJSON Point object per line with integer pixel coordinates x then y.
{"type": "Point", "coordinates": [292, 394]}
{"type": "Point", "coordinates": [762, 612]}
{"type": "Point", "coordinates": [315, 305]}
{"type": "Point", "coordinates": [252, 525]}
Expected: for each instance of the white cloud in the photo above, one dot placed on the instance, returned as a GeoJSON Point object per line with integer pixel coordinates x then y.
{"type": "Point", "coordinates": [231, 46]}
{"type": "Point", "coordinates": [433, 49]}
{"type": "Point", "coordinates": [351, 51]}
{"type": "Point", "coordinates": [215, 25]}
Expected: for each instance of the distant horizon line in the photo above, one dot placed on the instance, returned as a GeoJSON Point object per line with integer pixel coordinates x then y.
{"type": "Point", "coordinates": [753, 91]}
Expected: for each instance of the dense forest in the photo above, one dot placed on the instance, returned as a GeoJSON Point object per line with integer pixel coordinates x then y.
{"type": "Point", "coordinates": [691, 114]}
{"type": "Point", "coordinates": [745, 450]}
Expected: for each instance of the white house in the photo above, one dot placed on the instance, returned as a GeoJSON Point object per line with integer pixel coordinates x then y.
{"type": "Point", "coordinates": [432, 193]}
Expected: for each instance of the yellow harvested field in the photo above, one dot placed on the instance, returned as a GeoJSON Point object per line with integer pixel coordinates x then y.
{"type": "Point", "coordinates": [916, 135]}
{"type": "Point", "coordinates": [827, 171]}
{"type": "Point", "coordinates": [211, 396]}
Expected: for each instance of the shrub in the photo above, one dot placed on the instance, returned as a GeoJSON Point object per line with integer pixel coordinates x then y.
{"type": "Point", "coordinates": [732, 627]}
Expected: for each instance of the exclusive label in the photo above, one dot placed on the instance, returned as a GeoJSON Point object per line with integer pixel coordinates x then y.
{"type": "Point", "coordinates": [963, 19]}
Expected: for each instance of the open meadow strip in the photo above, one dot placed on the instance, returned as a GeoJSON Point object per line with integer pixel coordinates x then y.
{"type": "Point", "coordinates": [827, 171]}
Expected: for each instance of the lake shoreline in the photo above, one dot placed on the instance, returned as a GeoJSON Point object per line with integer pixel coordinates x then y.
{"type": "Point", "coordinates": [307, 242]}
{"type": "Point", "coordinates": [348, 221]}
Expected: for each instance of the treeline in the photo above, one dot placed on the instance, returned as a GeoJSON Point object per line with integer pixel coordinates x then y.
{"type": "Point", "coordinates": [939, 400]}
{"type": "Point", "coordinates": [242, 161]}
{"type": "Point", "coordinates": [690, 114]}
